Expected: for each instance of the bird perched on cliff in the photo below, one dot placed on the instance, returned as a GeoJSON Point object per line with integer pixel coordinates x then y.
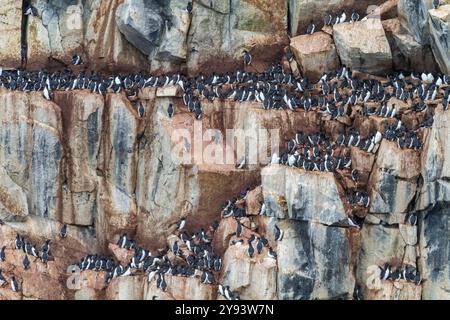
{"type": "Point", "coordinates": [189, 7]}
{"type": "Point", "coordinates": [311, 28]}
{"type": "Point", "coordinates": [63, 231]}
{"type": "Point", "coordinates": [436, 4]}
{"type": "Point", "coordinates": [328, 20]}
{"type": "Point", "coordinates": [250, 249]}
{"type": "Point", "coordinates": [278, 233]}
{"type": "Point", "coordinates": [238, 228]}
{"type": "Point", "coordinates": [411, 218]}
{"type": "Point", "coordinates": [44, 257]}
{"type": "Point", "coordinates": [46, 246]}
{"type": "Point", "coordinates": [181, 224]}
{"type": "Point", "coordinates": [26, 263]}
{"type": "Point", "coordinates": [77, 60]}
{"type": "Point", "coordinates": [30, 10]}
{"type": "Point", "coordinates": [240, 163]}
{"type": "Point", "coordinates": [47, 93]}
{"type": "Point", "coordinates": [18, 242]}
{"type": "Point", "coordinates": [14, 285]}
{"type": "Point", "coordinates": [289, 55]}
{"type": "Point", "coordinates": [271, 253]}
{"type": "Point", "coordinates": [141, 110]}
{"type": "Point", "coordinates": [2, 253]}
{"type": "Point", "coordinates": [2, 279]}
{"type": "Point", "coordinates": [170, 110]}
{"type": "Point", "coordinates": [354, 17]}
{"type": "Point", "coordinates": [385, 271]}
{"type": "Point", "coordinates": [247, 58]}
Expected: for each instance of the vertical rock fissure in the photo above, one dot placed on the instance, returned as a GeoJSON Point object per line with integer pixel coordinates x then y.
{"type": "Point", "coordinates": [288, 17]}
{"type": "Point", "coordinates": [23, 35]}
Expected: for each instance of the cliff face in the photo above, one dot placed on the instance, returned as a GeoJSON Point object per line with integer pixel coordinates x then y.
{"type": "Point", "coordinates": [94, 163]}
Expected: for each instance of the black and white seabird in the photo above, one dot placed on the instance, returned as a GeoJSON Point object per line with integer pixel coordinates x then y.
{"type": "Point", "coordinates": [2, 279]}
{"type": "Point", "coordinates": [278, 233]}
{"type": "Point", "coordinates": [170, 110]}
{"type": "Point", "coordinates": [141, 110]}
{"type": "Point", "coordinates": [30, 10]}
{"type": "Point", "coordinates": [238, 229]}
{"type": "Point", "coordinates": [247, 58]}
{"type": "Point", "coordinates": [189, 7]}
{"type": "Point", "coordinates": [250, 250]}
{"type": "Point", "coordinates": [122, 242]}
{"type": "Point", "coordinates": [240, 164]}
{"type": "Point", "coordinates": [77, 60]}
{"type": "Point", "coordinates": [271, 253]}
{"type": "Point", "coordinates": [385, 272]}
{"type": "Point", "coordinates": [63, 231]}
{"type": "Point", "coordinates": [2, 253]}
{"type": "Point", "coordinates": [436, 3]}
{"type": "Point", "coordinates": [311, 28]}
{"type": "Point", "coordinates": [47, 94]}
{"type": "Point", "coordinates": [354, 17]}
{"type": "Point", "coordinates": [181, 224]}
{"type": "Point", "coordinates": [18, 243]}
{"type": "Point", "coordinates": [26, 263]}
{"type": "Point", "coordinates": [14, 285]}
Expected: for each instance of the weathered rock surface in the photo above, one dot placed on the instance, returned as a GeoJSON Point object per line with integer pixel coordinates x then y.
{"type": "Point", "coordinates": [407, 53]}
{"type": "Point", "coordinates": [394, 179]}
{"type": "Point", "coordinates": [314, 262]}
{"type": "Point", "coordinates": [370, 54]}
{"type": "Point", "coordinates": [439, 27]}
{"type": "Point", "coordinates": [413, 15]}
{"type": "Point", "coordinates": [315, 54]}
{"type": "Point", "coordinates": [302, 11]}
{"type": "Point", "coordinates": [291, 193]}
{"type": "Point", "coordinates": [435, 164]}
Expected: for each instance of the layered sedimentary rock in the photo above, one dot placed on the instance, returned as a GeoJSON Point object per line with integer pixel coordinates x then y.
{"type": "Point", "coordinates": [93, 162]}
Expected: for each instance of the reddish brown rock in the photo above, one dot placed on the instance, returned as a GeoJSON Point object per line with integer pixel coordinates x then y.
{"type": "Point", "coordinates": [315, 54]}
{"type": "Point", "coordinates": [122, 255]}
{"type": "Point", "coordinates": [254, 201]}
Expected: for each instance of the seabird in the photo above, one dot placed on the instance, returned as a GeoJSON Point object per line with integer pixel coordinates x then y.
{"type": "Point", "coordinates": [77, 60]}
{"type": "Point", "coordinates": [247, 58]}
{"type": "Point", "coordinates": [238, 228]}
{"type": "Point", "coordinates": [250, 250]}
{"type": "Point", "coordinates": [271, 253]}
{"type": "Point", "coordinates": [44, 257]}
{"type": "Point", "coordinates": [122, 241]}
{"type": "Point", "coordinates": [2, 253]}
{"type": "Point", "coordinates": [278, 233]}
{"type": "Point", "coordinates": [141, 110]}
{"type": "Point", "coordinates": [26, 263]}
{"type": "Point", "coordinates": [385, 272]}
{"type": "Point", "coordinates": [170, 110]}
{"type": "Point", "coordinates": [14, 285]}
{"type": "Point", "coordinates": [63, 232]}
{"type": "Point", "coordinates": [259, 246]}
{"type": "Point", "coordinates": [18, 243]}
{"type": "Point", "coordinates": [181, 224]}
{"type": "Point", "coordinates": [189, 7]}
{"type": "Point", "coordinates": [354, 17]}
{"type": "Point", "coordinates": [47, 94]}
{"type": "Point", "coordinates": [436, 4]}
{"type": "Point", "coordinates": [31, 10]}
{"type": "Point", "coordinates": [2, 279]}
{"type": "Point", "coordinates": [240, 164]}
{"type": "Point", "coordinates": [311, 28]}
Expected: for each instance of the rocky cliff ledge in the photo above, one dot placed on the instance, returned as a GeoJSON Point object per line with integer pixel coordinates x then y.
{"type": "Point", "coordinates": [100, 175]}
